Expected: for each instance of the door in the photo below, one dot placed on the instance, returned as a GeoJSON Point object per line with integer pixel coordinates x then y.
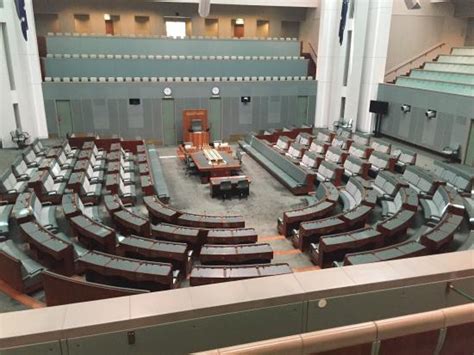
{"type": "Point", "coordinates": [64, 117]}
{"type": "Point", "coordinates": [470, 147]}
{"type": "Point", "coordinates": [238, 31]}
{"type": "Point", "coordinates": [169, 127]}
{"type": "Point", "coordinates": [302, 113]}
{"type": "Point", "coordinates": [215, 119]}
{"type": "Point", "coordinates": [109, 27]}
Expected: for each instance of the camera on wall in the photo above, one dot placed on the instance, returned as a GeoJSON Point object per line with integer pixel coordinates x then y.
{"type": "Point", "coordinates": [430, 114]}
{"type": "Point", "coordinates": [405, 108]}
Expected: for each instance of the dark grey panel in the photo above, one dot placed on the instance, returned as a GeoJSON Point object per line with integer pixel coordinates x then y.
{"type": "Point", "coordinates": [157, 120]}
{"type": "Point", "coordinates": [113, 115]}
{"type": "Point", "coordinates": [186, 96]}
{"type": "Point", "coordinates": [87, 115]}
{"type": "Point", "coordinates": [264, 115]}
{"type": "Point", "coordinates": [123, 119]}
{"type": "Point", "coordinates": [148, 119]}
{"type": "Point", "coordinates": [76, 110]}
{"type": "Point", "coordinates": [292, 110]}
{"type": "Point", "coordinates": [52, 123]}
{"type": "Point", "coordinates": [451, 127]}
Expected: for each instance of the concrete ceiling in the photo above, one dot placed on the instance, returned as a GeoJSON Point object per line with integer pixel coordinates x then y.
{"type": "Point", "coordinates": [463, 8]}
{"type": "Point", "coordinates": [279, 3]}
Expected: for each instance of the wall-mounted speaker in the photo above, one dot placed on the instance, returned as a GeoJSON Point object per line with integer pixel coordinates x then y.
{"type": "Point", "coordinates": [412, 4]}
{"type": "Point", "coordinates": [380, 107]}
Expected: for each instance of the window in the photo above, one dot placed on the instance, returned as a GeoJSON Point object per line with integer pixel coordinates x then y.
{"type": "Point", "coordinates": [82, 23]}
{"type": "Point", "coordinates": [46, 23]}
{"type": "Point", "coordinates": [176, 28]}
{"type": "Point", "coordinates": [142, 25]}
{"type": "Point", "coordinates": [212, 27]}
{"type": "Point", "coordinates": [262, 28]}
{"type": "Point", "coordinates": [290, 29]}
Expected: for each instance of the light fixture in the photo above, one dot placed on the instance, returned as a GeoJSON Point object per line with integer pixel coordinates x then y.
{"type": "Point", "coordinates": [430, 114]}
{"type": "Point", "coordinates": [239, 21]}
{"type": "Point", "coordinates": [215, 91]}
{"type": "Point", "coordinates": [107, 17]}
{"type": "Point", "coordinates": [412, 4]}
{"type": "Point", "coordinates": [405, 108]}
{"type": "Point", "coordinates": [204, 8]}
{"type": "Point", "coordinates": [167, 91]}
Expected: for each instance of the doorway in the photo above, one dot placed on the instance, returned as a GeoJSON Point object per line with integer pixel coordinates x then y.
{"type": "Point", "coordinates": [169, 127]}
{"type": "Point", "coordinates": [470, 147]}
{"type": "Point", "coordinates": [109, 27]}
{"type": "Point", "coordinates": [302, 112]}
{"type": "Point", "coordinates": [215, 120]}
{"type": "Point", "coordinates": [64, 117]}
{"type": "Point", "coordinates": [238, 28]}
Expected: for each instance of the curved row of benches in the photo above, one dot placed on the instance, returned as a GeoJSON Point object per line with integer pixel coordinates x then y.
{"type": "Point", "coordinates": [355, 217]}
{"type": "Point", "coordinates": [397, 194]}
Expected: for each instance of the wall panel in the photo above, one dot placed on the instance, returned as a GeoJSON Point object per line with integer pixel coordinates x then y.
{"type": "Point", "coordinates": [272, 105]}
{"type": "Point", "coordinates": [449, 128]}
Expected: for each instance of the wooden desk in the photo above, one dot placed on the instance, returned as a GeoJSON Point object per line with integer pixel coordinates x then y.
{"type": "Point", "coordinates": [129, 221]}
{"type": "Point", "coordinates": [88, 145]}
{"type": "Point", "coordinates": [114, 156]}
{"type": "Point", "coordinates": [143, 169]}
{"type": "Point", "coordinates": [147, 185]}
{"type": "Point", "coordinates": [208, 169]}
{"type": "Point", "coordinates": [81, 165]}
{"type": "Point", "coordinates": [46, 164]}
{"type": "Point", "coordinates": [115, 147]}
{"type": "Point", "coordinates": [113, 167]}
{"type": "Point", "coordinates": [85, 154]}
{"type": "Point", "coordinates": [76, 140]}
{"type": "Point", "coordinates": [112, 182]}
{"type": "Point", "coordinates": [216, 181]}
{"type": "Point", "coordinates": [54, 152]}
{"type": "Point", "coordinates": [75, 181]}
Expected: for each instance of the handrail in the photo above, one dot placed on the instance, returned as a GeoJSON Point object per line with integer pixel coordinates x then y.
{"type": "Point", "coordinates": [313, 51]}
{"type": "Point", "coordinates": [414, 59]}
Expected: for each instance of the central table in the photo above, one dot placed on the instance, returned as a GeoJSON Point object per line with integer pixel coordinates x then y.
{"type": "Point", "coordinates": [223, 165]}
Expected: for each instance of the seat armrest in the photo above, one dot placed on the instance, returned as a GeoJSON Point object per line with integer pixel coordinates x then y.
{"type": "Point", "coordinates": [424, 195]}
{"type": "Point", "coordinates": [13, 191]}
{"type": "Point", "coordinates": [32, 165]}
{"type": "Point", "coordinates": [47, 203]}
{"type": "Point", "coordinates": [52, 193]}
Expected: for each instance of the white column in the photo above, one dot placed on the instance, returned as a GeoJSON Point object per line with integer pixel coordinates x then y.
{"type": "Point", "coordinates": [356, 60]}
{"type": "Point", "coordinates": [365, 60]}
{"type": "Point", "coordinates": [25, 70]}
{"type": "Point", "coordinates": [6, 101]}
{"type": "Point", "coordinates": [328, 29]}
{"type": "Point", "coordinates": [38, 116]}
{"type": "Point", "coordinates": [375, 58]}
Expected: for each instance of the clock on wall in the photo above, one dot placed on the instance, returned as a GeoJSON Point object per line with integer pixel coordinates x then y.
{"type": "Point", "coordinates": [215, 91]}
{"type": "Point", "coordinates": [167, 91]}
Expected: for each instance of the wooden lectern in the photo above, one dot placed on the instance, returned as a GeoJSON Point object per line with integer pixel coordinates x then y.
{"type": "Point", "coordinates": [196, 127]}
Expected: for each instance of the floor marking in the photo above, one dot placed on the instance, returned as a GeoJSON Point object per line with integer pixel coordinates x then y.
{"type": "Point", "coordinates": [270, 238]}
{"type": "Point", "coordinates": [287, 252]}
{"type": "Point", "coordinates": [306, 268]}
{"type": "Point", "coordinates": [22, 298]}
{"type": "Point", "coordinates": [168, 157]}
